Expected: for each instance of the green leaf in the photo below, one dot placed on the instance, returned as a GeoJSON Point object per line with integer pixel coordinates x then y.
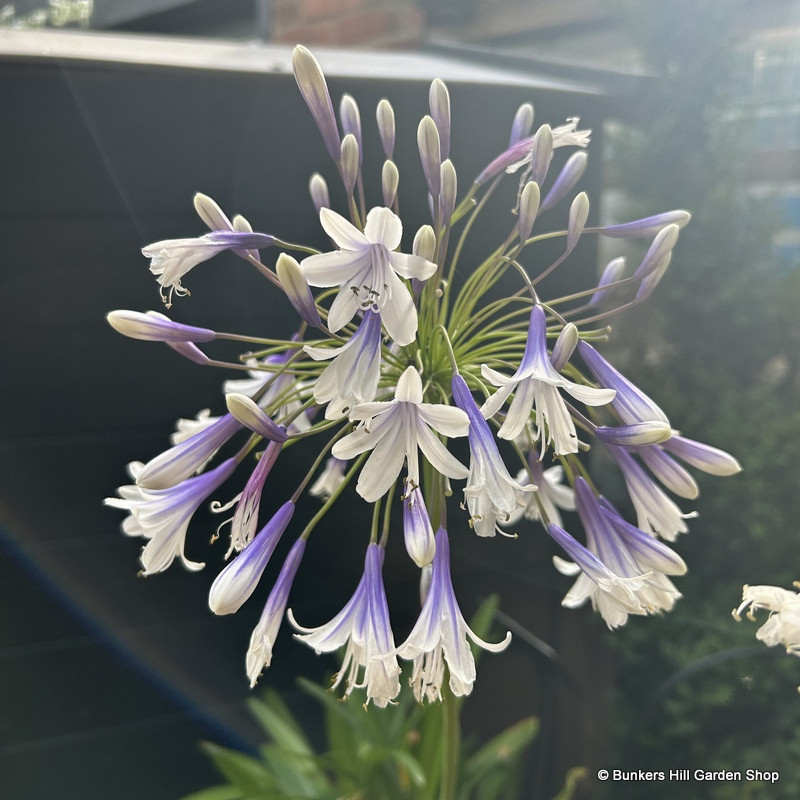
{"type": "Point", "coordinates": [246, 774]}
{"type": "Point", "coordinates": [277, 721]}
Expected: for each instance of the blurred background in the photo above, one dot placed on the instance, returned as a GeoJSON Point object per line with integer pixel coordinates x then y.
{"type": "Point", "coordinates": [115, 113]}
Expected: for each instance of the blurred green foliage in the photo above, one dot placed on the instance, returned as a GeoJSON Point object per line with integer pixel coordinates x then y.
{"type": "Point", "coordinates": [719, 350]}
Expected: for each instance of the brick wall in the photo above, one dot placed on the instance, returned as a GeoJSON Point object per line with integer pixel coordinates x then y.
{"type": "Point", "coordinates": [353, 23]}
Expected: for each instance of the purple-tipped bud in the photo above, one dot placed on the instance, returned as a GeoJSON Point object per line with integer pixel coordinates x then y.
{"type": "Point", "coordinates": [669, 472]}
{"type": "Point", "coordinates": [523, 124]}
{"type": "Point", "coordinates": [652, 279]}
{"type": "Point", "coordinates": [234, 585]}
{"type": "Point", "coordinates": [390, 179]}
{"type": "Point", "coordinates": [430, 154]}
{"type": "Point", "coordinates": [297, 289]}
{"type": "Point", "coordinates": [385, 117]}
{"type": "Point", "coordinates": [541, 153]}
{"type": "Point", "coordinates": [662, 245]}
{"type": "Point", "coordinates": [155, 327]}
{"type": "Point", "coordinates": [447, 197]}
{"type": "Point", "coordinates": [638, 434]}
{"type": "Point", "coordinates": [318, 189]}
{"type": "Point", "coordinates": [211, 214]}
{"type": "Point", "coordinates": [417, 529]}
{"type": "Point", "coordinates": [565, 346]}
{"type": "Point", "coordinates": [251, 416]}
{"type": "Point", "coordinates": [566, 180]}
{"type": "Point", "coordinates": [350, 162]}
{"type": "Point", "coordinates": [439, 101]}
{"type": "Point", "coordinates": [351, 119]}
{"type": "Point", "coordinates": [648, 226]}
{"type": "Point", "coordinates": [425, 243]}
{"type": "Point", "coordinates": [528, 209]}
{"type": "Point", "coordinates": [312, 85]}
{"type": "Point", "coordinates": [703, 456]}
{"type": "Point", "coordinates": [613, 272]}
{"type": "Point", "coordinates": [578, 214]}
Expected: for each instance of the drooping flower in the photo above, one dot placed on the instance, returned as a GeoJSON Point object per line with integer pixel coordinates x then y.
{"type": "Point", "coordinates": [363, 626]}
{"type": "Point", "coordinates": [259, 654]}
{"type": "Point", "coordinates": [656, 512]}
{"type": "Point", "coordinates": [368, 270]}
{"type": "Point", "coordinates": [783, 623]}
{"type": "Point", "coordinates": [329, 480]}
{"type": "Point", "coordinates": [440, 636]}
{"type": "Point", "coordinates": [163, 515]}
{"type": "Point", "coordinates": [536, 383]}
{"type": "Point", "coordinates": [394, 430]}
{"type": "Point", "coordinates": [492, 495]}
{"type": "Point", "coordinates": [171, 259]}
{"type": "Point", "coordinates": [637, 559]}
{"type": "Point", "coordinates": [353, 374]}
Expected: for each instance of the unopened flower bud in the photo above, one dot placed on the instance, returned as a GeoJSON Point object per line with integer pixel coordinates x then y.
{"type": "Point", "coordinates": [251, 416]}
{"type": "Point", "coordinates": [390, 178]}
{"type": "Point", "coordinates": [578, 214]}
{"type": "Point", "coordinates": [297, 289]}
{"type": "Point", "coordinates": [439, 101]}
{"type": "Point", "coordinates": [385, 117]}
{"type": "Point", "coordinates": [648, 226]}
{"type": "Point", "coordinates": [351, 120]}
{"type": "Point", "coordinates": [541, 153]}
{"type": "Point", "coordinates": [528, 209]}
{"type": "Point", "coordinates": [612, 273]}
{"type": "Point", "coordinates": [638, 434]}
{"type": "Point", "coordinates": [318, 189]}
{"type": "Point", "coordinates": [312, 85]}
{"type": "Point", "coordinates": [703, 456]}
{"type": "Point", "coordinates": [652, 279]}
{"type": "Point", "coordinates": [662, 245]}
{"type": "Point", "coordinates": [522, 125]}
{"type": "Point", "coordinates": [350, 162]}
{"type": "Point", "coordinates": [417, 529]}
{"type": "Point", "coordinates": [447, 196]}
{"type": "Point", "coordinates": [430, 154]}
{"type": "Point", "coordinates": [211, 214]}
{"type": "Point", "coordinates": [565, 346]}
{"type": "Point", "coordinates": [425, 243]}
{"type": "Point", "coordinates": [155, 327]}
{"type": "Point", "coordinates": [570, 174]}
{"type": "Point", "coordinates": [190, 351]}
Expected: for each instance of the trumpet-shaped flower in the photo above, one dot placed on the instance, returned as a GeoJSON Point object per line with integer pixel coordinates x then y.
{"type": "Point", "coordinates": [394, 430]}
{"type": "Point", "coordinates": [783, 624]}
{"type": "Point", "coordinates": [353, 374]}
{"type": "Point", "coordinates": [259, 654]}
{"type": "Point", "coordinates": [163, 515]}
{"type": "Point", "coordinates": [536, 383]}
{"type": "Point", "coordinates": [171, 259]}
{"type": "Point", "coordinates": [368, 270]}
{"type": "Point", "coordinates": [640, 561]}
{"type": "Point", "coordinates": [440, 636]}
{"type": "Point", "coordinates": [491, 493]}
{"type": "Point", "coordinates": [363, 626]}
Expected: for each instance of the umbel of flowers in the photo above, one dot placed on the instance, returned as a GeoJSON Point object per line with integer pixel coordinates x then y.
{"type": "Point", "coordinates": [394, 356]}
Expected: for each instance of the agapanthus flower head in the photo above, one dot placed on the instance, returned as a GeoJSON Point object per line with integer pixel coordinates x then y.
{"type": "Point", "coordinates": [440, 636]}
{"type": "Point", "coordinates": [783, 623]}
{"type": "Point", "coordinates": [368, 270]}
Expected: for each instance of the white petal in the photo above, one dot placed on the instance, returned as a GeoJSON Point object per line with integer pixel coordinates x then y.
{"type": "Point", "coordinates": [411, 266]}
{"type": "Point", "coordinates": [383, 226]}
{"type": "Point", "coordinates": [439, 456]}
{"type": "Point", "coordinates": [409, 386]}
{"type": "Point", "coordinates": [383, 466]}
{"type": "Point", "coordinates": [343, 232]}
{"type": "Point", "coordinates": [343, 308]}
{"type": "Point", "coordinates": [399, 314]}
{"type": "Point", "coordinates": [448, 420]}
{"type": "Point", "coordinates": [334, 269]}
